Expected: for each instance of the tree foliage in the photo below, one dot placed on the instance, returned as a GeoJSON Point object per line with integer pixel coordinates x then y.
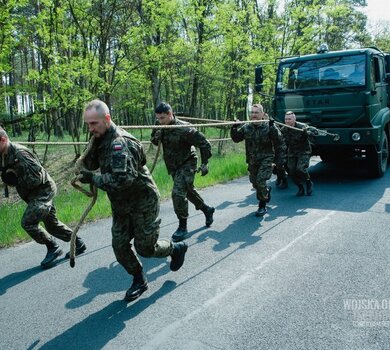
{"type": "Point", "coordinates": [197, 54]}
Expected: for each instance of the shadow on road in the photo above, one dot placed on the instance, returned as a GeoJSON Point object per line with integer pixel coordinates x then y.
{"type": "Point", "coordinates": [238, 231]}
{"type": "Point", "coordinates": [114, 278]}
{"type": "Point", "coordinates": [15, 278]}
{"type": "Point", "coordinates": [336, 181]}
{"type": "Point", "coordinates": [95, 331]}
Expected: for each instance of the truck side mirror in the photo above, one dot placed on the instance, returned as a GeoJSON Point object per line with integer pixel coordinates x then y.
{"type": "Point", "coordinates": [259, 78]}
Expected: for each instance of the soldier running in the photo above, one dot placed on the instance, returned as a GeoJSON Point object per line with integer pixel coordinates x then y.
{"type": "Point", "coordinates": [299, 152]}
{"type": "Point", "coordinates": [21, 168]}
{"type": "Point", "coordinates": [181, 161]}
{"type": "Point", "coordinates": [134, 197]}
{"type": "Point", "coordinates": [263, 141]}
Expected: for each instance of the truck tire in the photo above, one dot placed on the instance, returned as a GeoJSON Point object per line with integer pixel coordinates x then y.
{"type": "Point", "coordinates": [378, 157]}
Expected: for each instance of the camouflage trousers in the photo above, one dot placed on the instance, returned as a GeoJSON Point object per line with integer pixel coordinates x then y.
{"type": "Point", "coordinates": [259, 173]}
{"type": "Point", "coordinates": [184, 191]}
{"type": "Point", "coordinates": [38, 211]}
{"type": "Point", "coordinates": [280, 171]}
{"type": "Point", "coordinates": [297, 168]}
{"type": "Point", "coordinates": [141, 225]}
{"type": "Point", "coordinates": [280, 162]}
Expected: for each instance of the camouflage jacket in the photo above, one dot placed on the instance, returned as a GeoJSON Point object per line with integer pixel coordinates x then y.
{"type": "Point", "coordinates": [123, 174]}
{"type": "Point", "coordinates": [179, 145]}
{"type": "Point", "coordinates": [34, 182]}
{"type": "Point", "coordinates": [297, 142]}
{"type": "Point", "coordinates": [261, 140]}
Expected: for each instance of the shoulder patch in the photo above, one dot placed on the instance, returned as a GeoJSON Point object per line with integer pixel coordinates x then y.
{"type": "Point", "coordinates": [117, 147]}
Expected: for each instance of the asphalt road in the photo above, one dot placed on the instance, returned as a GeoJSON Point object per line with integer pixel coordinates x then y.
{"type": "Point", "coordinates": [312, 274]}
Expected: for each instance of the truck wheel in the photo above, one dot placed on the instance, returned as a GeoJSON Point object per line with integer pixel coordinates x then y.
{"type": "Point", "coordinates": [378, 157]}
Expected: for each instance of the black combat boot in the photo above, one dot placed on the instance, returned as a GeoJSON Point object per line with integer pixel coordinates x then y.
{"type": "Point", "coordinates": [309, 187]}
{"type": "Point", "coordinates": [283, 183]}
{"type": "Point", "coordinates": [262, 209]}
{"type": "Point", "coordinates": [138, 286]}
{"type": "Point", "coordinates": [208, 213]}
{"type": "Point", "coordinates": [53, 252]}
{"type": "Point", "coordinates": [301, 190]}
{"type": "Point", "coordinates": [80, 248]}
{"type": "Point", "coordinates": [178, 255]}
{"type": "Point", "coordinates": [181, 231]}
{"type": "Point", "coordinates": [278, 181]}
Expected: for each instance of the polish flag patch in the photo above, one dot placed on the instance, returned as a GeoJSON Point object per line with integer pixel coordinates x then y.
{"type": "Point", "coordinates": [117, 147]}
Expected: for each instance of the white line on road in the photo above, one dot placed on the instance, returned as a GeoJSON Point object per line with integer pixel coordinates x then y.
{"type": "Point", "coordinates": [161, 337]}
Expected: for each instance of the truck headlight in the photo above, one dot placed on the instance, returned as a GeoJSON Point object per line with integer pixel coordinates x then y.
{"type": "Point", "coordinates": [356, 136]}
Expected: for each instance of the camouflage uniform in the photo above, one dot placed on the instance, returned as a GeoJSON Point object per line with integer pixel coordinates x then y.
{"type": "Point", "coordinates": [37, 189]}
{"type": "Point", "coordinates": [299, 152]}
{"type": "Point", "coordinates": [181, 161]}
{"type": "Point", "coordinates": [134, 197]}
{"type": "Point", "coordinates": [262, 143]}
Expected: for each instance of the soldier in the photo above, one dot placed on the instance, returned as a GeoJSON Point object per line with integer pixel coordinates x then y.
{"type": "Point", "coordinates": [22, 169]}
{"type": "Point", "coordinates": [263, 141]}
{"type": "Point", "coordinates": [135, 200]}
{"type": "Point", "coordinates": [299, 152]}
{"type": "Point", "coordinates": [181, 161]}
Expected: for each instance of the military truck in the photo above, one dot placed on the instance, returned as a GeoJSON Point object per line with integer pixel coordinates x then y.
{"type": "Point", "coordinates": [344, 93]}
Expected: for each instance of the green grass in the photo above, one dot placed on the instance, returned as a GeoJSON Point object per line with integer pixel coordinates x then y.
{"type": "Point", "coordinates": [71, 204]}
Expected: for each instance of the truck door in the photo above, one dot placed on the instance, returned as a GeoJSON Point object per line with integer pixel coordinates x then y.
{"type": "Point", "coordinates": [378, 98]}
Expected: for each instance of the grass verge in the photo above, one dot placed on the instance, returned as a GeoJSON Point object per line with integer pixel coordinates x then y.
{"type": "Point", "coordinates": [70, 204]}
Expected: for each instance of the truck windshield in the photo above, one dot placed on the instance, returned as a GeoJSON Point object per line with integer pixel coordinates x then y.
{"type": "Point", "coordinates": [332, 72]}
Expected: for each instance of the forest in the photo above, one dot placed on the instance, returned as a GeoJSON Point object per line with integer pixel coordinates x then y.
{"type": "Point", "coordinates": [199, 55]}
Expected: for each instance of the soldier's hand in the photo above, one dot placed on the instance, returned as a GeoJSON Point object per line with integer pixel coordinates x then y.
{"type": "Point", "coordinates": [85, 176]}
{"type": "Point", "coordinates": [235, 126]}
{"type": "Point", "coordinates": [9, 177]}
{"type": "Point", "coordinates": [157, 134]}
{"type": "Point", "coordinates": [271, 123]}
{"type": "Point", "coordinates": [204, 170]}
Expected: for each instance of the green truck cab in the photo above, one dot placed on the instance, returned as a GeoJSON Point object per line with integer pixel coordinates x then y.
{"type": "Point", "coordinates": [345, 93]}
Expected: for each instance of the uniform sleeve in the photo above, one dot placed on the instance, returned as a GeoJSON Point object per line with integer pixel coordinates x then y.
{"type": "Point", "coordinates": [237, 133]}
{"type": "Point", "coordinates": [312, 133]}
{"type": "Point", "coordinates": [279, 144]}
{"type": "Point", "coordinates": [156, 135]}
{"type": "Point", "coordinates": [196, 138]}
{"type": "Point", "coordinates": [29, 170]}
{"type": "Point", "coordinates": [88, 159]}
{"type": "Point", "coordinates": [126, 158]}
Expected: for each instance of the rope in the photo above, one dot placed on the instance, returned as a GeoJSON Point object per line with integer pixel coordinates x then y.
{"type": "Point", "coordinates": [185, 125]}
{"type": "Point", "coordinates": [214, 123]}
{"type": "Point", "coordinates": [156, 157]}
{"type": "Point", "coordinates": [91, 193]}
{"type": "Point", "coordinates": [201, 119]}
{"type": "Point", "coordinates": [336, 137]}
{"type": "Point", "coordinates": [51, 143]}
{"type": "Point", "coordinates": [85, 143]}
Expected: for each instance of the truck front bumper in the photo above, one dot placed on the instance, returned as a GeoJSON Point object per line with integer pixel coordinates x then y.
{"type": "Point", "coordinates": [352, 137]}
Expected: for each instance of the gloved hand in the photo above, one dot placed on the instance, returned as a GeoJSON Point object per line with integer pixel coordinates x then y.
{"type": "Point", "coordinates": [204, 170]}
{"type": "Point", "coordinates": [271, 122]}
{"type": "Point", "coordinates": [9, 177]}
{"type": "Point", "coordinates": [235, 126]}
{"type": "Point", "coordinates": [85, 176]}
{"type": "Point", "coordinates": [157, 134]}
